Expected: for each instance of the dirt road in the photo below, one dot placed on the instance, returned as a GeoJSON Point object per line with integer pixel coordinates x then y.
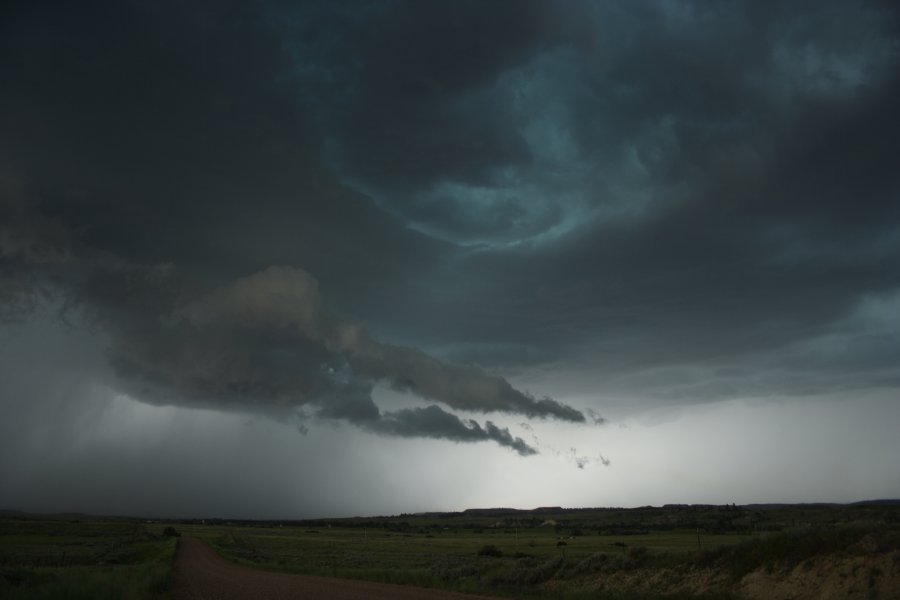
{"type": "Point", "coordinates": [201, 574]}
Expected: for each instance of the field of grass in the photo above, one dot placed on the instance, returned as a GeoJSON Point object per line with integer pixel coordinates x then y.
{"type": "Point", "coordinates": [551, 554]}
{"type": "Point", "coordinates": [495, 561]}
{"type": "Point", "coordinates": [547, 553]}
{"type": "Point", "coordinates": [83, 558]}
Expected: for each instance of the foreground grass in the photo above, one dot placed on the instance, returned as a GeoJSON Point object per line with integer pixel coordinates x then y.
{"type": "Point", "coordinates": [789, 549]}
{"type": "Point", "coordinates": [537, 569]}
{"type": "Point", "coordinates": [615, 554]}
{"type": "Point", "coordinates": [74, 560]}
{"type": "Point", "coordinates": [537, 561]}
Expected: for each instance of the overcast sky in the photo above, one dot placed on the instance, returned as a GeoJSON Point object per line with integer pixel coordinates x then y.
{"type": "Point", "coordinates": [299, 259]}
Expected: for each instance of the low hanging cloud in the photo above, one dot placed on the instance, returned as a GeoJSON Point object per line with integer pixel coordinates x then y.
{"type": "Point", "coordinates": [267, 343]}
{"type": "Point", "coordinates": [579, 460]}
{"type": "Point", "coordinates": [463, 388]}
{"type": "Point", "coordinates": [412, 422]}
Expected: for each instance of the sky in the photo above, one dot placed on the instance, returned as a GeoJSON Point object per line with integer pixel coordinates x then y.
{"type": "Point", "coordinates": [307, 259]}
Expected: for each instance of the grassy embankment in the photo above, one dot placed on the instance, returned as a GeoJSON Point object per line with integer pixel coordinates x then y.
{"type": "Point", "coordinates": [83, 558]}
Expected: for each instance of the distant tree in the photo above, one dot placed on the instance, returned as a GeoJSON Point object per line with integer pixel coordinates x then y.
{"type": "Point", "coordinates": [171, 532]}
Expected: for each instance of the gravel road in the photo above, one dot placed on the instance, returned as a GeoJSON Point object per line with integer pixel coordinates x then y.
{"type": "Point", "coordinates": [201, 574]}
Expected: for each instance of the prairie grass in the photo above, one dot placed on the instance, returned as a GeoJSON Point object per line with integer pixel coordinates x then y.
{"type": "Point", "coordinates": [526, 558]}
{"type": "Point", "coordinates": [788, 549]}
{"type": "Point", "coordinates": [73, 560]}
{"type": "Point", "coordinates": [500, 553]}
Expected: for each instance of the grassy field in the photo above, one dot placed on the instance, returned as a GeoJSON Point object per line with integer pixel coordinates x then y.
{"type": "Point", "coordinates": [495, 561]}
{"type": "Point", "coordinates": [547, 553]}
{"type": "Point", "coordinates": [83, 558]}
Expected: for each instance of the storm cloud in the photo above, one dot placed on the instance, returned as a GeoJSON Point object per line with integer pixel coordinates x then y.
{"type": "Point", "coordinates": [268, 343]}
{"type": "Point", "coordinates": [552, 210]}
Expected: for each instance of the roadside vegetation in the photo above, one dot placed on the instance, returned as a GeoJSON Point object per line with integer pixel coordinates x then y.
{"type": "Point", "coordinates": [83, 558]}
{"type": "Point", "coordinates": [670, 552]}
{"type": "Point", "coordinates": [701, 552]}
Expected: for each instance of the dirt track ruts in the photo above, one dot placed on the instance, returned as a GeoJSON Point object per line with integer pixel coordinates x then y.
{"type": "Point", "coordinates": [201, 574]}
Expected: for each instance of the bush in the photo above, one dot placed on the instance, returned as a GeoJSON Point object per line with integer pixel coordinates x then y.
{"type": "Point", "coordinates": [591, 563]}
{"type": "Point", "coordinates": [529, 571]}
{"type": "Point", "coordinates": [171, 532]}
{"type": "Point", "coordinates": [637, 556]}
{"type": "Point", "coordinates": [490, 550]}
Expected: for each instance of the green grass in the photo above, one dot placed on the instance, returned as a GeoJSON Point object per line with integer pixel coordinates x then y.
{"type": "Point", "coordinates": [450, 559]}
{"type": "Point", "coordinates": [560, 555]}
{"type": "Point", "coordinates": [75, 559]}
{"type": "Point", "coordinates": [788, 549]}
{"type": "Point", "coordinates": [550, 556]}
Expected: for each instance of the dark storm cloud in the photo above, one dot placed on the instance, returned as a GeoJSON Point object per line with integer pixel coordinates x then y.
{"type": "Point", "coordinates": [464, 388]}
{"type": "Point", "coordinates": [421, 76]}
{"type": "Point", "coordinates": [643, 185]}
{"type": "Point", "coordinates": [724, 185]}
{"type": "Point", "coordinates": [668, 199]}
{"type": "Point", "coordinates": [269, 339]}
{"type": "Point", "coordinates": [172, 132]}
{"type": "Point", "coordinates": [411, 422]}
{"type": "Point", "coordinates": [268, 344]}
{"type": "Point", "coordinates": [417, 61]}
{"type": "Point", "coordinates": [29, 243]}
{"type": "Point", "coordinates": [156, 152]}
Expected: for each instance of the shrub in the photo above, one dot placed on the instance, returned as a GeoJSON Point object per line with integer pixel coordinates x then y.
{"type": "Point", "coordinates": [637, 556]}
{"type": "Point", "coordinates": [591, 563]}
{"type": "Point", "coordinates": [171, 532]}
{"type": "Point", "coordinates": [490, 550]}
{"type": "Point", "coordinates": [530, 571]}
{"type": "Point", "coordinates": [637, 553]}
